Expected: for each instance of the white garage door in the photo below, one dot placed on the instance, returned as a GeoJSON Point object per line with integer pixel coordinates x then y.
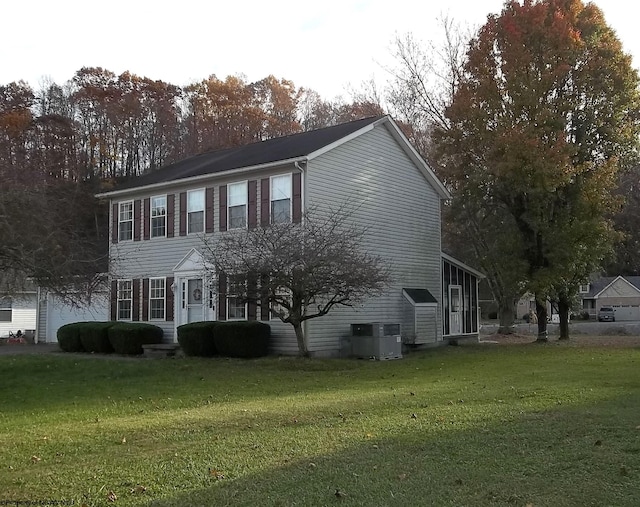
{"type": "Point", "coordinates": [627, 312]}
{"type": "Point", "coordinates": [60, 313]}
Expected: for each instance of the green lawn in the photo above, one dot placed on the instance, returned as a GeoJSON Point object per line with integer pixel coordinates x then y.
{"type": "Point", "coordinates": [539, 425]}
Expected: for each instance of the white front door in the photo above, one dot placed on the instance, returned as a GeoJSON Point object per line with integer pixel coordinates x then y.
{"type": "Point", "coordinates": [196, 300]}
{"type": "Point", "coordinates": [455, 309]}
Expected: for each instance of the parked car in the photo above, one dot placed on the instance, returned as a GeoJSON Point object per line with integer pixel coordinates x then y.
{"type": "Point", "coordinates": [606, 314]}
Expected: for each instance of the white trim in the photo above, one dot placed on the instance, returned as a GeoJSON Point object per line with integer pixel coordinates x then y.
{"type": "Point", "coordinates": [290, 175]}
{"type": "Point", "coordinates": [419, 305]}
{"type": "Point", "coordinates": [342, 140]}
{"type": "Point", "coordinates": [166, 215]}
{"type": "Point", "coordinates": [202, 177]}
{"type": "Point", "coordinates": [164, 299]}
{"type": "Point", "coordinates": [246, 205]}
{"type": "Point", "coordinates": [416, 158]}
{"type": "Point", "coordinates": [133, 219]}
{"type": "Point", "coordinates": [619, 277]}
{"type": "Point", "coordinates": [462, 265]}
{"type": "Point", "coordinates": [204, 210]}
{"type": "Point", "coordinates": [118, 299]}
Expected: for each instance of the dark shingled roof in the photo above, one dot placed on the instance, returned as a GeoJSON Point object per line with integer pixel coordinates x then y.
{"type": "Point", "coordinates": [264, 152]}
{"type": "Point", "coordinates": [598, 285]}
{"type": "Point", "coordinates": [420, 296]}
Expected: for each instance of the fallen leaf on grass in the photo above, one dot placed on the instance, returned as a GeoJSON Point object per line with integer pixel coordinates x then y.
{"type": "Point", "coordinates": [35, 458]}
{"type": "Point", "coordinates": [217, 474]}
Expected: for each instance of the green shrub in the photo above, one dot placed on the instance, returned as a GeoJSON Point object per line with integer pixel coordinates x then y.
{"type": "Point", "coordinates": [196, 338]}
{"type": "Point", "coordinates": [95, 337]}
{"type": "Point", "coordinates": [69, 337]}
{"type": "Point", "coordinates": [242, 338]}
{"type": "Point", "coordinates": [128, 337]}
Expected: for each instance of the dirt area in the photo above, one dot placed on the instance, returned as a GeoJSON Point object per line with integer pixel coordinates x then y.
{"type": "Point", "coordinates": [576, 340]}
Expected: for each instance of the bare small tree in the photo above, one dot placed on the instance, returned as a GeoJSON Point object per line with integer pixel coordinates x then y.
{"type": "Point", "coordinates": [300, 271]}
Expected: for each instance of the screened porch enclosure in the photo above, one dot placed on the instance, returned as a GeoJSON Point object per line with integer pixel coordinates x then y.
{"type": "Point", "coordinates": [460, 298]}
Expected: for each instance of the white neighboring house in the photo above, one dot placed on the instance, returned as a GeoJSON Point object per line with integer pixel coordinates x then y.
{"type": "Point", "coordinates": [40, 314]}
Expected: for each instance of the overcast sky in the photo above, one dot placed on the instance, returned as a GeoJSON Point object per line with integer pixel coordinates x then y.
{"type": "Point", "coordinates": [327, 46]}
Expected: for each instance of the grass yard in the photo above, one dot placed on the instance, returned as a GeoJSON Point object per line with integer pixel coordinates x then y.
{"type": "Point", "coordinates": [521, 425]}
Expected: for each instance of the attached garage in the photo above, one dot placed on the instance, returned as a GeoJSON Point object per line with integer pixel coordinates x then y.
{"type": "Point", "coordinates": [57, 313]}
{"type": "Point", "coordinates": [626, 312]}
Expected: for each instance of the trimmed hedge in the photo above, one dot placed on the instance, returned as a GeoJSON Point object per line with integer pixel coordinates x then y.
{"type": "Point", "coordinates": [69, 337]}
{"type": "Point", "coordinates": [243, 339]}
{"type": "Point", "coordinates": [128, 337]}
{"type": "Point", "coordinates": [94, 337]}
{"type": "Point", "coordinates": [197, 338]}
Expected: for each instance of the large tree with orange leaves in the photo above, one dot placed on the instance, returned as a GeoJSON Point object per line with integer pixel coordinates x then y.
{"type": "Point", "coordinates": [545, 116]}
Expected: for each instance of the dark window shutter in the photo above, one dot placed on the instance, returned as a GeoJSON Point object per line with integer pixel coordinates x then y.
{"type": "Point", "coordinates": [209, 210]}
{"type": "Point", "coordinates": [169, 298]}
{"type": "Point", "coordinates": [252, 307]}
{"type": "Point", "coordinates": [183, 213]}
{"type": "Point", "coordinates": [114, 222]}
{"type": "Point", "coordinates": [223, 208]}
{"type": "Point", "coordinates": [265, 201]}
{"type": "Point", "coordinates": [135, 300]}
{"type": "Point", "coordinates": [253, 204]}
{"type": "Point", "coordinates": [146, 218]}
{"type": "Point", "coordinates": [114, 300]}
{"type": "Point", "coordinates": [264, 298]}
{"type": "Point", "coordinates": [145, 299]}
{"type": "Point", "coordinates": [297, 197]}
{"type": "Point", "coordinates": [171, 215]}
{"type": "Point", "coordinates": [222, 296]}
{"type": "Point", "coordinates": [137, 205]}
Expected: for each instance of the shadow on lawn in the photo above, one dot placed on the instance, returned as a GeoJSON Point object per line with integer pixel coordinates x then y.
{"type": "Point", "coordinates": [563, 456]}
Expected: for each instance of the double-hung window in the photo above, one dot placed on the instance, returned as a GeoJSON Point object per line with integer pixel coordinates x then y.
{"type": "Point", "coordinates": [195, 211]}
{"type": "Point", "coordinates": [125, 221]}
{"type": "Point", "coordinates": [276, 308]}
{"type": "Point", "coordinates": [237, 203]}
{"type": "Point", "coordinates": [281, 199]}
{"type": "Point", "coordinates": [6, 309]}
{"type": "Point", "coordinates": [157, 298]}
{"type": "Point", "coordinates": [236, 305]}
{"type": "Point", "coordinates": [159, 216]}
{"type": "Point", "coordinates": [125, 299]}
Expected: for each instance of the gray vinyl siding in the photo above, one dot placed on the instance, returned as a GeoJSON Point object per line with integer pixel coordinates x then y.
{"type": "Point", "coordinates": [401, 212]}
{"type": "Point", "coordinates": [396, 203]}
{"type": "Point", "coordinates": [426, 324]}
{"type": "Point", "coordinates": [157, 257]}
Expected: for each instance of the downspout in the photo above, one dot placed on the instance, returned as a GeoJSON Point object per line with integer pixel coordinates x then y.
{"type": "Point", "coordinates": [37, 326]}
{"type": "Point", "coordinates": [296, 164]}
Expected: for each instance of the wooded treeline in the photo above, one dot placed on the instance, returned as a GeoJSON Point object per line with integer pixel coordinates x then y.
{"type": "Point", "coordinates": [99, 126]}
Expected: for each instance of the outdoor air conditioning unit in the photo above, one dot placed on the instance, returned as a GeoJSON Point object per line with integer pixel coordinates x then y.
{"type": "Point", "coordinates": [376, 340]}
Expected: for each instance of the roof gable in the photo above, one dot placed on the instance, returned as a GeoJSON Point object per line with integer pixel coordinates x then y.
{"type": "Point", "coordinates": [619, 287]}
{"type": "Point", "coordinates": [289, 149]}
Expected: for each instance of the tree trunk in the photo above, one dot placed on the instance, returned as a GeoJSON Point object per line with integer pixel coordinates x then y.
{"type": "Point", "coordinates": [302, 342]}
{"type": "Point", "coordinates": [506, 313]}
{"type": "Point", "coordinates": [563, 311]}
{"type": "Point", "coordinates": [541, 312]}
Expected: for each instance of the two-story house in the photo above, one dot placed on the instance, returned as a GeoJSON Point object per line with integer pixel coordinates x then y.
{"type": "Point", "coordinates": [158, 222]}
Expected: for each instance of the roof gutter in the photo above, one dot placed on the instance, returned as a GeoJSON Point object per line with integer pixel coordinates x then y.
{"type": "Point", "coordinates": [208, 176]}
